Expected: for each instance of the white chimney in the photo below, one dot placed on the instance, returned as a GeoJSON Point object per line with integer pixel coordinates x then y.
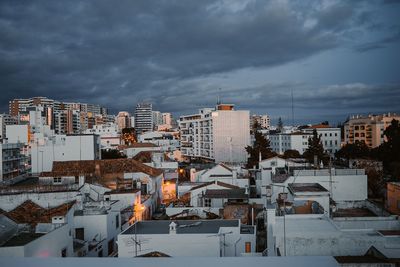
{"type": "Point", "coordinates": [79, 201]}
{"type": "Point", "coordinates": [81, 180]}
{"type": "Point", "coordinates": [172, 228]}
{"type": "Point", "coordinates": [192, 175]}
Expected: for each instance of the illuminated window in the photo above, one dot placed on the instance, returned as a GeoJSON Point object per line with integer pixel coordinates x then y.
{"type": "Point", "coordinates": [248, 247]}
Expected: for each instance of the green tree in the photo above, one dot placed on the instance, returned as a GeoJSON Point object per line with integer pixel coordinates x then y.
{"type": "Point", "coordinates": [315, 148]}
{"type": "Point", "coordinates": [261, 145]}
{"type": "Point", "coordinates": [358, 150]}
{"type": "Point", "coordinates": [291, 153]}
{"type": "Point", "coordinates": [279, 127]}
{"type": "Point", "coordinates": [389, 151]}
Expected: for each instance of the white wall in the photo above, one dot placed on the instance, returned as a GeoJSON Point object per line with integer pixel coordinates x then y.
{"type": "Point", "coordinates": [48, 245]}
{"type": "Point", "coordinates": [231, 135]}
{"type": "Point", "coordinates": [344, 187]}
{"type": "Point", "coordinates": [186, 245]}
{"type": "Point", "coordinates": [17, 133]}
{"type": "Point", "coordinates": [52, 199]}
{"type": "Point", "coordinates": [66, 148]}
{"type": "Point", "coordinates": [51, 244]}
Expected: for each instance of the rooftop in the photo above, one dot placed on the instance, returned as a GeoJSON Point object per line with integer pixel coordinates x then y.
{"type": "Point", "coordinates": [306, 187]}
{"type": "Point", "coordinates": [31, 213]}
{"type": "Point", "coordinates": [105, 166]}
{"type": "Point", "coordinates": [300, 261]}
{"type": "Point", "coordinates": [183, 227]}
{"type": "Point", "coordinates": [21, 239]}
{"type": "Point", "coordinates": [226, 193]}
{"type": "Point", "coordinates": [354, 212]}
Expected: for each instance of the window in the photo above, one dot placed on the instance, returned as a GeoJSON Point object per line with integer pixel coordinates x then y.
{"type": "Point", "coordinates": [330, 134]}
{"type": "Point", "coordinates": [57, 180]}
{"type": "Point", "coordinates": [335, 134]}
{"type": "Point", "coordinates": [80, 233]}
{"type": "Point", "coordinates": [117, 221]}
{"type": "Point", "coordinates": [248, 247]}
{"type": "Point", "coordinates": [207, 202]}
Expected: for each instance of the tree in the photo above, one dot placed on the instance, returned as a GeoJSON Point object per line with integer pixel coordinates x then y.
{"type": "Point", "coordinates": [315, 148]}
{"type": "Point", "coordinates": [389, 151]}
{"type": "Point", "coordinates": [358, 150]}
{"type": "Point", "coordinates": [128, 136]}
{"type": "Point", "coordinates": [261, 145]}
{"type": "Point", "coordinates": [291, 153]}
{"type": "Point", "coordinates": [279, 127]}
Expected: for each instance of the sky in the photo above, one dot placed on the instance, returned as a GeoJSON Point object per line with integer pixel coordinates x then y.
{"type": "Point", "coordinates": [339, 58]}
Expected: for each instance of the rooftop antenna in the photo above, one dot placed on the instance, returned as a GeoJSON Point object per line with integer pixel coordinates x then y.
{"type": "Point", "coordinates": [292, 109]}
{"type": "Point", "coordinates": [218, 97]}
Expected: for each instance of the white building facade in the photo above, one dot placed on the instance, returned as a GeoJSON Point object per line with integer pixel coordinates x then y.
{"type": "Point", "coordinates": [219, 134]}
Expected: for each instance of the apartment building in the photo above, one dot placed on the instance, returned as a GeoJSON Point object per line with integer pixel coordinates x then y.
{"type": "Point", "coordinates": [123, 120]}
{"type": "Point", "coordinates": [280, 142]}
{"type": "Point", "coordinates": [220, 134]}
{"type": "Point", "coordinates": [143, 117]}
{"type": "Point", "coordinates": [330, 137]}
{"type": "Point", "coordinates": [369, 129]}
{"type": "Point", "coordinates": [157, 119]}
{"type": "Point", "coordinates": [63, 117]}
{"type": "Point", "coordinates": [6, 119]}
{"type": "Point", "coordinates": [12, 162]}
{"type": "Point", "coordinates": [262, 120]}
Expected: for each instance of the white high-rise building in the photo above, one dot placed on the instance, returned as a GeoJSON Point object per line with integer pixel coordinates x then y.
{"type": "Point", "coordinates": [143, 117]}
{"type": "Point", "coordinates": [157, 119]}
{"type": "Point", "coordinates": [220, 134]}
{"type": "Point", "coordinates": [6, 119]}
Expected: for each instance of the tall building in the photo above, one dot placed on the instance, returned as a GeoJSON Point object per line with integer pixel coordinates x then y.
{"type": "Point", "coordinates": [262, 120]}
{"type": "Point", "coordinates": [6, 119]}
{"type": "Point", "coordinates": [12, 163]}
{"type": "Point", "coordinates": [60, 116]}
{"type": "Point", "coordinates": [123, 120]}
{"type": "Point", "coordinates": [220, 134]}
{"type": "Point", "coordinates": [369, 129]}
{"type": "Point", "coordinates": [143, 117]}
{"type": "Point", "coordinates": [167, 118]}
{"type": "Point", "coordinates": [157, 119]}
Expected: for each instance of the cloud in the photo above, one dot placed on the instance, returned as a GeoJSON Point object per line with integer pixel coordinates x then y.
{"type": "Point", "coordinates": [117, 54]}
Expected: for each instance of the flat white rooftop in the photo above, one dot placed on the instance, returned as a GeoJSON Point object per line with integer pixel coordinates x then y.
{"type": "Point", "coordinates": [173, 262]}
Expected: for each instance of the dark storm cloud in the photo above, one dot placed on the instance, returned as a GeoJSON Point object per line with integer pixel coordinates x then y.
{"type": "Point", "coordinates": [117, 53]}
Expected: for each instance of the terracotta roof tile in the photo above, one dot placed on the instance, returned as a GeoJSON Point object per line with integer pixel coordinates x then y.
{"type": "Point", "coordinates": [31, 213]}
{"type": "Point", "coordinates": [99, 167]}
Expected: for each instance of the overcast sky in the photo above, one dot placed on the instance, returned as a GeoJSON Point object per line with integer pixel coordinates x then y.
{"type": "Point", "coordinates": [338, 57]}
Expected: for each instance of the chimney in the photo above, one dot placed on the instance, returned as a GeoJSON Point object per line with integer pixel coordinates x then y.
{"type": "Point", "coordinates": [192, 176]}
{"type": "Point", "coordinates": [81, 180]}
{"type": "Point", "coordinates": [97, 169]}
{"type": "Point", "coordinates": [79, 201]}
{"type": "Point", "coordinates": [172, 228]}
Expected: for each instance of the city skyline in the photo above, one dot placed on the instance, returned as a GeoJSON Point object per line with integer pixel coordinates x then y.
{"type": "Point", "coordinates": [339, 58]}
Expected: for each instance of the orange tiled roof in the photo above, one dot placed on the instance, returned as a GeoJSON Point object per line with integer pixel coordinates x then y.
{"type": "Point", "coordinates": [318, 126]}
{"type": "Point", "coordinates": [99, 167]}
{"type": "Point", "coordinates": [31, 213]}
